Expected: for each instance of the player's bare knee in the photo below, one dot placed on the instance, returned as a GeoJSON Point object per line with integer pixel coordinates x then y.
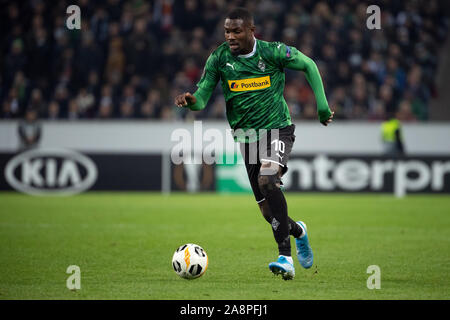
{"type": "Point", "coordinates": [268, 180]}
{"type": "Point", "coordinates": [266, 165]}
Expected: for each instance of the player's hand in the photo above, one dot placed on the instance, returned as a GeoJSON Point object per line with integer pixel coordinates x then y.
{"type": "Point", "coordinates": [329, 120]}
{"type": "Point", "coordinates": [182, 100]}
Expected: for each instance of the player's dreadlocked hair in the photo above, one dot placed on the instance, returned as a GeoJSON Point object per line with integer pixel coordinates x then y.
{"type": "Point", "coordinates": [241, 13]}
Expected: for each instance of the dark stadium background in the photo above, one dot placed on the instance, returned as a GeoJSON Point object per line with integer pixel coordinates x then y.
{"type": "Point", "coordinates": [131, 57]}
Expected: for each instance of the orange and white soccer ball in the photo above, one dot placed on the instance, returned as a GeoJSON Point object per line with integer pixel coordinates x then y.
{"type": "Point", "coordinates": [190, 261]}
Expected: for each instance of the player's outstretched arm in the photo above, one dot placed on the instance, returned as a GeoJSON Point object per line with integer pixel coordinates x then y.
{"type": "Point", "coordinates": [312, 74]}
{"type": "Point", "coordinates": [206, 86]}
{"type": "Point", "coordinates": [298, 61]}
{"type": "Point", "coordinates": [196, 101]}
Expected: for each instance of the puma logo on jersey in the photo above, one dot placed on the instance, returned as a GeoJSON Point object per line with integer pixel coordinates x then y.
{"type": "Point", "coordinates": [229, 64]}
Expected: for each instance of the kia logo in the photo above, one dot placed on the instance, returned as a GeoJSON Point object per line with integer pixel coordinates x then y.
{"type": "Point", "coordinates": [51, 172]}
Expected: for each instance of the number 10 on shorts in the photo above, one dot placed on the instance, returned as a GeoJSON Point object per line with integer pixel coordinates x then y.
{"type": "Point", "coordinates": [278, 145]}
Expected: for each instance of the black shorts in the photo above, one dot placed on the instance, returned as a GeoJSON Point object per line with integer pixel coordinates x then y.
{"type": "Point", "coordinates": [272, 147]}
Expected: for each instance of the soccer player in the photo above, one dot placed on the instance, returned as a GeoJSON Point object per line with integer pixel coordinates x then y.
{"type": "Point", "coordinates": [252, 78]}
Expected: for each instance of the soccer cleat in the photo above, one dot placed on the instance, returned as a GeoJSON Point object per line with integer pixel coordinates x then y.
{"type": "Point", "coordinates": [284, 267]}
{"type": "Point", "coordinates": [304, 251]}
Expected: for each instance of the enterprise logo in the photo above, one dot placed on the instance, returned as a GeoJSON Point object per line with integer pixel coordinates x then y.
{"type": "Point", "coordinates": [249, 84]}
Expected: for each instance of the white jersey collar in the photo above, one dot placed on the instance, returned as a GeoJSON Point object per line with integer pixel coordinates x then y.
{"type": "Point", "coordinates": [248, 55]}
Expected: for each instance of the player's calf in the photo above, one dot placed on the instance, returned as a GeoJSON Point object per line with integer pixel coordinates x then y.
{"type": "Point", "coordinates": [269, 180]}
{"type": "Point", "coordinates": [269, 184]}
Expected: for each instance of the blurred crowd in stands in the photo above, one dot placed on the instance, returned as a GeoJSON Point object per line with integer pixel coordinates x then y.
{"type": "Point", "coordinates": [131, 58]}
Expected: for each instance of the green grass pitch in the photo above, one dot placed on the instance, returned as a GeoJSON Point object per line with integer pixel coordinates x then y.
{"type": "Point", "coordinates": [124, 242]}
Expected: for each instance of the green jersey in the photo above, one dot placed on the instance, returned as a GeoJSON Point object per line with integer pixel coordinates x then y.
{"type": "Point", "coordinates": [253, 84]}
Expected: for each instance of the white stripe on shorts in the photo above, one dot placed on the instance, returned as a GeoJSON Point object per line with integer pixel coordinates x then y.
{"type": "Point", "coordinates": [272, 161]}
